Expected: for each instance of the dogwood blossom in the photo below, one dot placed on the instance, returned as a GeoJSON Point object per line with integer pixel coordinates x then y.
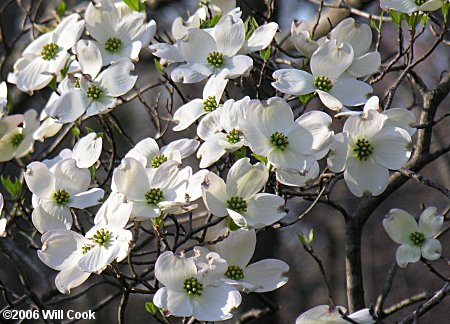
{"type": "Point", "coordinates": [239, 197]}
{"type": "Point", "coordinates": [262, 276]}
{"type": "Point", "coordinates": [190, 292]}
{"type": "Point", "coordinates": [118, 36]}
{"type": "Point", "coordinates": [410, 6]}
{"type": "Point", "coordinates": [18, 141]}
{"type": "Point", "coordinates": [108, 238]}
{"type": "Point", "coordinates": [96, 96]}
{"type": "Point", "coordinates": [416, 240]}
{"type": "Point", "coordinates": [366, 150]}
{"type": "Point", "coordinates": [46, 56]}
{"type": "Point", "coordinates": [333, 315]}
{"type": "Point", "coordinates": [58, 190]}
{"type": "Point", "coordinates": [61, 250]}
{"type": "Point", "coordinates": [328, 63]}
{"type": "Point", "coordinates": [3, 98]}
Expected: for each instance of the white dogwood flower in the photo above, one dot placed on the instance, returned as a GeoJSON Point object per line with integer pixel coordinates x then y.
{"type": "Point", "coordinates": [189, 292]}
{"type": "Point", "coordinates": [150, 190]}
{"type": "Point", "coordinates": [18, 141]}
{"type": "Point", "coordinates": [150, 155]}
{"type": "Point", "coordinates": [61, 250]}
{"type": "Point", "coordinates": [46, 56]}
{"type": "Point", "coordinates": [325, 314]}
{"type": "Point", "coordinates": [270, 131]}
{"type": "Point", "coordinates": [328, 63]}
{"type": "Point", "coordinates": [367, 149]}
{"type": "Point", "coordinates": [262, 276]}
{"type": "Point", "coordinates": [96, 96]}
{"type": "Point", "coordinates": [239, 197]}
{"type": "Point", "coordinates": [108, 240]}
{"type": "Point", "coordinates": [410, 6]}
{"type": "Point", "coordinates": [58, 190]}
{"type": "Point", "coordinates": [416, 240]}
{"type": "Point", "coordinates": [118, 36]}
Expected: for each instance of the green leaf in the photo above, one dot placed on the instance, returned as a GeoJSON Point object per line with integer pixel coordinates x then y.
{"type": "Point", "coordinates": [305, 99]}
{"type": "Point", "coordinates": [92, 171]}
{"type": "Point", "coordinates": [159, 66]}
{"type": "Point", "coordinates": [75, 131]}
{"type": "Point", "coordinates": [250, 26]}
{"type": "Point", "coordinates": [232, 226]}
{"type": "Point", "coordinates": [445, 11]}
{"type": "Point", "coordinates": [211, 22]}
{"type": "Point", "coordinates": [260, 158]}
{"type": "Point", "coordinates": [61, 8]}
{"type": "Point", "coordinates": [136, 5]}
{"type": "Point", "coordinates": [14, 188]}
{"type": "Point", "coordinates": [306, 240]}
{"type": "Point", "coordinates": [373, 24]}
{"type": "Point", "coordinates": [151, 308]}
{"type": "Point", "coordinates": [424, 20]}
{"type": "Point", "coordinates": [265, 54]}
{"type": "Point", "coordinates": [397, 17]}
{"type": "Point", "coordinates": [241, 153]}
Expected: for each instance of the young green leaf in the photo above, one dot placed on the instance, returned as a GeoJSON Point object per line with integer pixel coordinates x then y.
{"type": "Point", "coordinates": [14, 188]}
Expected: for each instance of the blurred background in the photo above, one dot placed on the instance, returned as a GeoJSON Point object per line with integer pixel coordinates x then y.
{"type": "Point", "coordinates": [305, 288]}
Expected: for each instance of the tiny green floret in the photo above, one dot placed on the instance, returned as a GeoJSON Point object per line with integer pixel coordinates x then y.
{"type": "Point", "coordinates": [363, 149]}
{"type": "Point", "coordinates": [49, 51]}
{"type": "Point", "coordinates": [279, 140]}
{"type": "Point", "coordinates": [102, 237]}
{"type": "Point", "coordinates": [323, 83]}
{"type": "Point", "coordinates": [235, 273]}
{"type": "Point", "coordinates": [419, 2]}
{"type": "Point", "coordinates": [234, 136]}
{"type": "Point", "coordinates": [154, 196]}
{"type": "Point", "coordinates": [193, 287]}
{"type": "Point", "coordinates": [17, 139]}
{"type": "Point", "coordinates": [61, 197]}
{"type": "Point", "coordinates": [94, 92]}
{"type": "Point", "coordinates": [417, 238]}
{"type": "Point", "coordinates": [85, 248]}
{"type": "Point", "coordinates": [210, 104]}
{"type": "Point", "coordinates": [215, 59]}
{"type": "Point", "coordinates": [113, 44]}
{"type": "Point", "coordinates": [238, 204]}
{"type": "Point", "coordinates": [158, 160]}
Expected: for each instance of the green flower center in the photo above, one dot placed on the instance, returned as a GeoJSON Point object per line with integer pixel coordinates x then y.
{"type": "Point", "coordinates": [237, 204]}
{"type": "Point", "coordinates": [234, 136]}
{"type": "Point", "coordinates": [279, 140]}
{"type": "Point", "coordinates": [77, 84]}
{"type": "Point", "coordinates": [17, 139]}
{"type": "Point", "coordinates": [85, 248]}
{"type": "Point", "coordinates": [235, 273]}
{"type": "Point", "coordinates": [363, 149]}
{"type": "Point", "coordinates": [419, 2]}
{"type": "Point", "coordinates": [101, 237]}
{"type": "Point", "coordinates": [193, 287]}
{"type": "Point", "coordinates": [94, 92]}
{"type": "Point", "coordinates": [323, 83]}
{"type": "Point", "coordinates": [417, 238]}
{"type": "Point", "coordinates": [113, 44]}
{"type": "Point", "coordinates": [210, 104]}
{"type": "Point", "coordinates": [154, 196]}
{"type": "Point", "coordinates": [61, 197]}
{"type": "Point", "coordinates": [158, 160]}
{"type": "Point", "coordinates": [215, 59]}
{"type": "Point", "coordinates": [49, 51]}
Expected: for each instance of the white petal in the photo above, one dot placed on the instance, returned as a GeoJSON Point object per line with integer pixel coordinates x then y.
{"type": "Point", "coordinates": [238, 247]}
{"type": "Point", "coordinates": [366, 126]}
{"type": "Point", "coordinates": [431, 5]}
{"type": "Point", "coordinates": [197, 45]}
{"type": "Point", "coordinates": [399, 225]}
{"type": "Point", "coordinates": [35, 47]}
{"type": "Point", "coordinates": [69, 31]}
{"type": "Point", "coordinates": [188, 114]}
{"type": "Point", "coordinates": [358, 35]}
{"type": "Point", "coordinates": [337, 157]}
{"type": "Point", "coordinates": [330, 101]}
{"type": "Point", "coordinates": [185, 146]}
{"type": "Point", "coordinates": [131, 179]}
{"type": "Point", "coordinates": [244, 179]}
{"type": "Point", "coordinates": [365, 65]}
{"type": "Point", "coordinates": [431, 249]}
{"type": "Point", "coordinates": [262, 37]}
{"type": "Point", "coordinates": [71, 178]}
{"type": "Point", "coordinates": [365, 177]}
{"type": "Point", "coordinates": [229, 35]}
{"type": "Point", "coordinates": [430, 222]}
{"type": "Point", "coordinates": [117, 79]}
{"type": "Point", "coordinates": [304, 44]}
{"type": "Point", "coordinates": [99, 257]}
{"type": "Point", "coordinates": [210, 125]}
{"type": "Point", "coordinates": [101, 21]}
{"type": "Point", "coordinates": [216, 303]}
{"type": "Point", "coordinates": [238, 65]}
{"type": "Point", "coordinates": [319, 125]}
{"type": "Point", "coordinates": [172, 269]}
{"type": "Point", "coordinates": [7, 149]}
{"type": "Point", "coordinates": [266, 275]}
{"type": "Point", "coordinates": [131, 26]}
{"type": "Point", "coordinates": [216, 85]}
{"type": "Point", "coordinates": [392, 147]}
{"type": "Point", "coordinates": [351, 92]}
{"type": "Point", "coordinates": [87, 199]}
{"type": "Point", "coordinates": [322, 314]}
{"type": "Point", "coordinates": [407, 254]}
{"type": "Point", "coordinates": [400, 117]}
{"type": "Point", "coordinates": [210, 151]}
{"type": "Point", "coordinates": [48, 128]}
{"type": "Point", "coordinates": [39, 179]}
{"type": "Point", "coordinates": [90, 57]}
{"type": "Point", "coordinates": [142, 211]}
{"type": "Point", "coordinates": [70, 278]}
{"type": "Point", "coordinates": [114, 212]}
{"type": "Point", "coordinates": [53, 217]}
{"type": "Point", "coordinates": [69, 107]}
{"type": "Point", "coordinates": [406, 6]}
{"type": "Point", "coordinates": [293, 82]}
{"type": "Point", "coordinates": [35, 76]}
{"type": "Point", "coordinates": [87, 150]}
{"type": "Point", "coordinates": [8, 123]}
{"type": "Point", "coordinates": [331, 59]}
{"type": "Point", "coordinates": [298, 178]}
{"type": "Point", "coordinates": [194, 189]}
{"type": "Point", "coordinates": [144, 151]}
{"type": "Point", "coordinates": [168, 52]}
{"type": "Point", "coordinates": [362, 316]}
{"type": "Point", "coordinates": [214, 194]}
{"type": "Point", "coordinates": [101, 106]}
{"type": "Point", "coordinates": [288, 159]}
{"type": "Point", "coordinates": [264, 210]}
{"type": "Point", "coordinates": [190, 73]}
{"type": "Point", "coordinates": [176, 303]}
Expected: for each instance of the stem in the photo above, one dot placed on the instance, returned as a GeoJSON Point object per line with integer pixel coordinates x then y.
{"type": "Point", "coordinates": [353, 269]}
